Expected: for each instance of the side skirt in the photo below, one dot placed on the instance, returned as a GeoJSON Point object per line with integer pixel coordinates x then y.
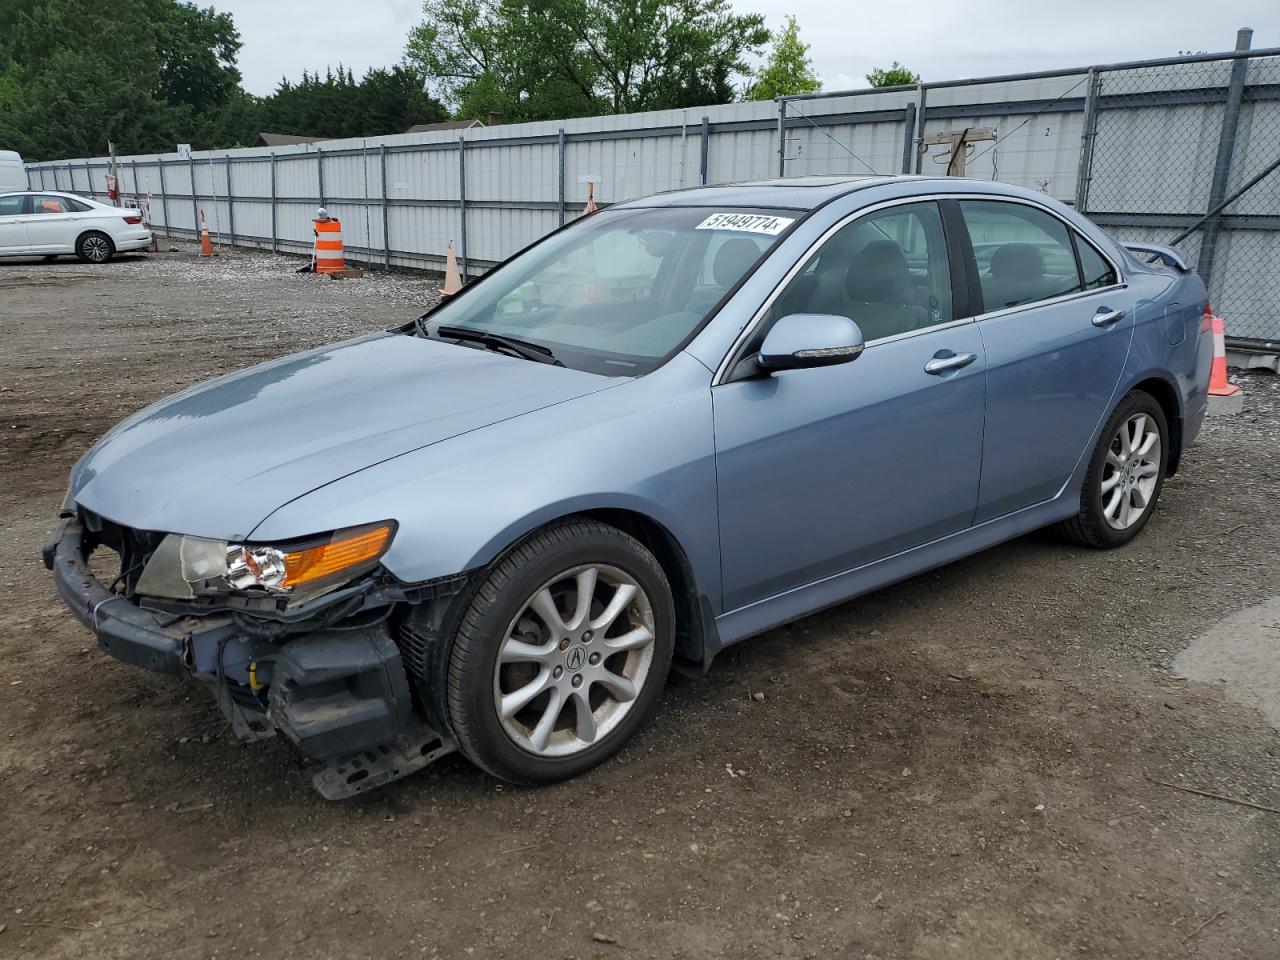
{"type": "Point", "coordinates": [737, 625]}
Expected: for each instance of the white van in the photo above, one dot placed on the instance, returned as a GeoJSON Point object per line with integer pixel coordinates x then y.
{"type": "Point", "coordinates": [13, 172]}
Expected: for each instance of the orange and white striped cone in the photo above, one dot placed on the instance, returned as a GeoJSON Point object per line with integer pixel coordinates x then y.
{"type": "Point", "coordinates": [591, 207]}
{"type": "Point", "coordinates": [1218, 385]}
{"type": "Point", "coordinates": [206, 245]}
{"type": "Point", "coordinates": [452, 277]}
{"type": "Point", "coordinates": [328, 255]}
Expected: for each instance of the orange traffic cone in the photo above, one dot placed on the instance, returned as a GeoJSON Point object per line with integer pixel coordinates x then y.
{"type": "Point", "coordinates": [452, 278]}
{"type": "Point", "coordinates": [206, 245]}
{"type": "Point", "coordinates": [591, 199]}
{"type": "Point", "coordinates": [1218, 385]}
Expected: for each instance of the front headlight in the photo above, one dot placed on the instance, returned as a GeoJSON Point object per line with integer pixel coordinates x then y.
{"type": "Point", "coordinates": [185, 567]}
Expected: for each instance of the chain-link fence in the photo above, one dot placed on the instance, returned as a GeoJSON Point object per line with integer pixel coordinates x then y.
{"type": "Point", "coordinates": [1182, 151]}
{"type": "Point", "coordinates": [1188, 153]}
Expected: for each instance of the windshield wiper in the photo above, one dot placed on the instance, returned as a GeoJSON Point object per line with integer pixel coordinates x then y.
{"type": "Point", "coordinates": [498, 341]}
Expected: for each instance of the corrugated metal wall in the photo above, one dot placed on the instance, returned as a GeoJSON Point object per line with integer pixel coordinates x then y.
{"type": "Point", "coordinates": [491, 191]}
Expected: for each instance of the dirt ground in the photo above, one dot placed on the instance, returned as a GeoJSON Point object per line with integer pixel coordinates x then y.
{"type": "Point", "coordinates": [960, 766]}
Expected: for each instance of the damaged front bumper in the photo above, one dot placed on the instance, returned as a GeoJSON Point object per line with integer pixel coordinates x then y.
{"type": "Point", "coordinates": [338, 691]}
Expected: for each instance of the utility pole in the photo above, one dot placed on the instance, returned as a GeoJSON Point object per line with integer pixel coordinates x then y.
{"type": "Point", "coordinates": [959, 142]}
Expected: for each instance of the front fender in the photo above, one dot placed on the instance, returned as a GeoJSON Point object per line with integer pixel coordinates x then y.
{"type": "Point", "coordinates": [646, 446]}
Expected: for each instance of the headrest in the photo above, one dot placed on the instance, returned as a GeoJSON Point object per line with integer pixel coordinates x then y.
{"type": "Point", "coordinates": [878, 273]}
{"type": "Point", "coordinates": [1017, 261]}
{"type": "Point", "coordinates": [732, 260]}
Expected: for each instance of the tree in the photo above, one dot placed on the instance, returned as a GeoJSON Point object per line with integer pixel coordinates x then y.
{"type": "Point", "coordinates": [543, 59]}
{"type": "Point", "coordinates": [137, 72]}
{"type": "Point", "coordinates": [895, 76]}
{"type": "Point", "coordinates": [788, 69]}
{"type": "Point", "coordinates": [383, 101]}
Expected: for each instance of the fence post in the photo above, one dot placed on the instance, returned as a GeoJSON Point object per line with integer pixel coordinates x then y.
{"type": "Point", "coordinates": [195, 200]}
{"type": "Point", "coordinates": [706, 151]}
{"type": "Point", "coordinates": [1222, 164]}
{"type": "Point", "coordinates": [275, 245]}
{"type": "Point", "coordinates": [1084, 168]}
{"type": "Point", "coordinates": [782, 138]}
{"type": "Point", "coordinates": [386, 216]}
{"type": "Point", "coordinates": [320, 173]}
{"type": "Point", "coordinates": [908, 135]}
{"type": "Point", "coordinates": [922, 117]}
{"type": "Point", "coordinates": [462, 205]}
{"type": "Point", "coordinates": [562, 161]}
{"type": "Point", "coordinates": [231, 204]}
{"type": "Point", "coordinates": [164, 195]}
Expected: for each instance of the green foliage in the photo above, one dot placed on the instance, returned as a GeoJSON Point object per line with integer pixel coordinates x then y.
{"type": "Point", "coordinates": [383, 101]}
{"type": "Point", "coordinates": [545, 59]}
{"type": "Point", "coordinates": [788, 69]}
{"type": "Point", "coordinates": [895, 76]}
{"type": "Point", "coordinates": [148, 74]}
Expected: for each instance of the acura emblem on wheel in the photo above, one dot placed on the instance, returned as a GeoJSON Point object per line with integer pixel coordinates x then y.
{"type": "Point", "coordinates": [575, 658]}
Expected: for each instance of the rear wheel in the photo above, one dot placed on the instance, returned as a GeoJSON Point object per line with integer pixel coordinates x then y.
{"type": "Point", "coordinates": [1125, 475]}
{"type": "Point", "coordinates": [561, 654]}
{"type": "Point", "coordinates": [95, 247]}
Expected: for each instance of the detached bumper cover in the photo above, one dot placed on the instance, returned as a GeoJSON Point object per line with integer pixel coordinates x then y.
{"type": "Point", "coordinates": [124, 630]}
{"type": "Point", "coordinates": [341, 696]}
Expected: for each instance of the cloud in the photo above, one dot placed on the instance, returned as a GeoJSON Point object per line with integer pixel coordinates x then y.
{"type": "Point", "coordinates": [939, 39]}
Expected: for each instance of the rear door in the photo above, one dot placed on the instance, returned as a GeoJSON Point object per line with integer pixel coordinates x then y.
{"type": "Point", "coordinates": [1056, 324]}
{"type": "Point", "coordinates": [53, 224]}
{"type": "Point", "coordinates": [13, 224]}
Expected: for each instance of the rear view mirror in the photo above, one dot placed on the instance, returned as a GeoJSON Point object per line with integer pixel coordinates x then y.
{"type": "Point", "coordinates": [803, 340]}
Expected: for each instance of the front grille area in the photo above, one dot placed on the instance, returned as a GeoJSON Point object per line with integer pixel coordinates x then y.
{"type": "Point", "coordinates": [133, 549]}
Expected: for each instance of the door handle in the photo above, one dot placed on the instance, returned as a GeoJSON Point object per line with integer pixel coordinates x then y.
{"type": "Point", "coordinates": [1105, 317]}
{"type": "Point", "coordinates": [940, 365]}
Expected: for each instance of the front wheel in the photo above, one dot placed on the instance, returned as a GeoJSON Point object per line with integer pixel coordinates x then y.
{"type": "Point", "coordinates": [1125, 475]}
{"type": "Point", "coordinates": [95, 247]}
{"type": "Point", "coordinates": [561, 654]}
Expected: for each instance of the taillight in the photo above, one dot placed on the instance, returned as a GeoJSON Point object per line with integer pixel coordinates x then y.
{"type": "Point", "coordinates": [132, 219]}
{"type": "Point", "coordinates": [1206, 322]}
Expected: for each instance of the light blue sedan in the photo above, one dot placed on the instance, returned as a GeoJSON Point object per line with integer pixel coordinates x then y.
{"type": "Point", "coordinates": [669, 426]}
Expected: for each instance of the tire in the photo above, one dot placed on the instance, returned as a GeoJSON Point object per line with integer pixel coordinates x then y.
{"type": "Point", "coordinates": [95, 247]}
{"type": "Point", "coordinates": [558, 654]}
{"type": "Point", "coordinates": [1103, 522]}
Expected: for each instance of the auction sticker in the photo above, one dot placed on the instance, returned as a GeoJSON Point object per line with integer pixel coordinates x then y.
{"type": "Point", "coordinates": [747, 223]}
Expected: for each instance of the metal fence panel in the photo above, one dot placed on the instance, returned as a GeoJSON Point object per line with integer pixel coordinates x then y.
{"type": "Point", "coordinates": [1155, 151]}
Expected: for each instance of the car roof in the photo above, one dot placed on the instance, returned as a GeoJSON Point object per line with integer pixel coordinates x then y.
{"type": "Point", "coordinates": [44, 193]}
{"type": "Point", "coordinates": [808, 193]}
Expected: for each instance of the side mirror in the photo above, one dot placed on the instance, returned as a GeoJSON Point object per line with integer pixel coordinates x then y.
{"type": "Point", "coordinates": [803, 340]}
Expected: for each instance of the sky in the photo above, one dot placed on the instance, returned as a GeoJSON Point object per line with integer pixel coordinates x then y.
{"type": "Point", "coordinates": [939, 39]}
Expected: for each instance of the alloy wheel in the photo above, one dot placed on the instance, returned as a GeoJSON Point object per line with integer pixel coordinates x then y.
{"type": "Point", "coordinates": [574, 660]}
{"type": "Point", "coordinates": [1131, 471]}
{"type": "Point", "coordinates": [96, 249]}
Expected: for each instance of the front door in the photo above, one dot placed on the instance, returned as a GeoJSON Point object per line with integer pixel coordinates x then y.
{"type": "Point", "coordinates": [823, 470]}
{"type": "Point", "coordinates": [13, 224]}
{"type": "Point", "coordinates": [1057, 331]}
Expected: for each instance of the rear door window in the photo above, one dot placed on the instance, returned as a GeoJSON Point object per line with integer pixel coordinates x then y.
{"type": "Point", "coordinates": [12, 206]}
{"type": "Point", "coordinates": [1024, 255]}
{"type": "Point", "coordinates": [42, 203]}
{"type": "Point", "coordinates": [1094, 268]}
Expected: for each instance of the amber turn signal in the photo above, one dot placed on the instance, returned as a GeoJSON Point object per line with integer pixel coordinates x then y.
{"type": "Point", "coordinates": [353, 547]}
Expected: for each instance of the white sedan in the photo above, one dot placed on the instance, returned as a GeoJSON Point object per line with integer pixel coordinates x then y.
{"type": "Point", "coordinates": [49, 223]}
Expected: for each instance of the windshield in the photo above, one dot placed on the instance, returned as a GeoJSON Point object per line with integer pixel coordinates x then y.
{"type": "Point", "coordinates": [621, 290]}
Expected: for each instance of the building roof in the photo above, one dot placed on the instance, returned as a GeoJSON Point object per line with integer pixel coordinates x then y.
{"type": "Point", "coordinates": [444, 125]}
{"type": "Point", "coordinates": [285, 140]}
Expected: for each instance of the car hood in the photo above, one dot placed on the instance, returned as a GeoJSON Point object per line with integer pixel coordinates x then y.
{"type": "Point", "coordinates": [216, 459]}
